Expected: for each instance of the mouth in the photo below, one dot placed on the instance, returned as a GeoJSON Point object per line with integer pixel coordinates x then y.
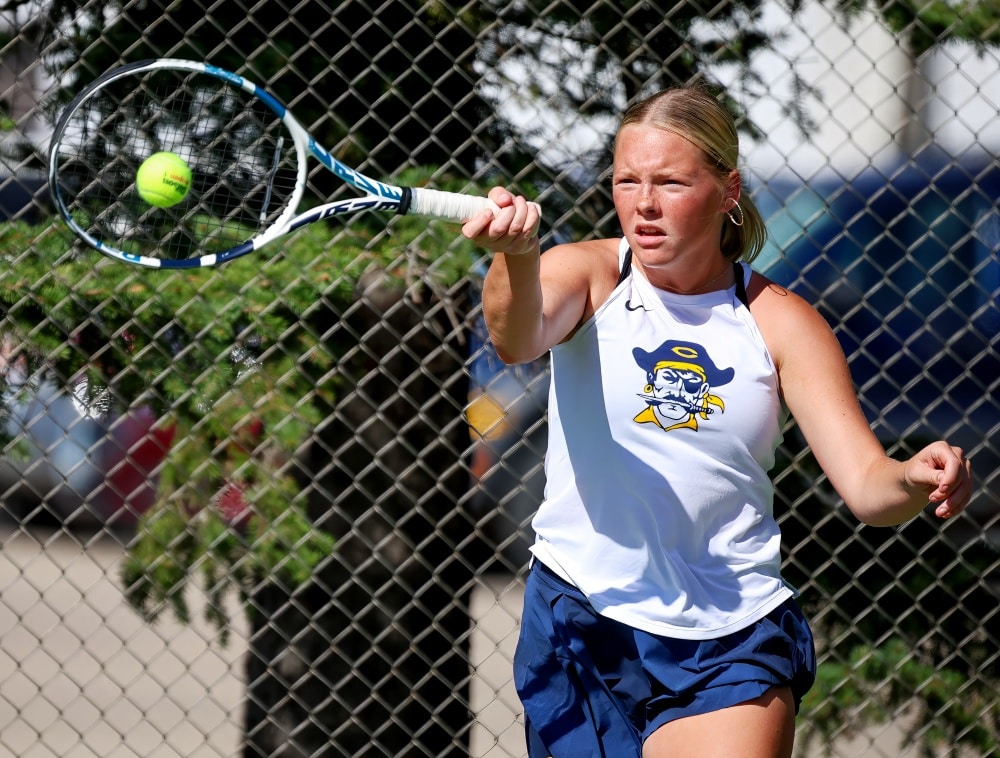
{"type": "Point", "coordinates": [648, 234]}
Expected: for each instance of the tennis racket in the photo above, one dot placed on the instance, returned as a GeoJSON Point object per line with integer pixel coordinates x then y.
{"type": "Point", "coordinates": [247, 156]}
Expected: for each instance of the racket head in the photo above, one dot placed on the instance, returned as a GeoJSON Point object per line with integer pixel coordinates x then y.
{"type": "Point", "coordinates": [246, 153]}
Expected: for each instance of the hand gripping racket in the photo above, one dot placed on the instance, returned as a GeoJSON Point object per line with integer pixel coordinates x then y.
{"type": "Point", "coordinates": [246, 163]}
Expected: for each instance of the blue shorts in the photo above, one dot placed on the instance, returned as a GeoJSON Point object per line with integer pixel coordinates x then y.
{"type": "Point", "coordinates": [592, 686]}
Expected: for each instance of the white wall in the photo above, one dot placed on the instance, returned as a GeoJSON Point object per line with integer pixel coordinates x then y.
{"type": "Point", "coordinates": [874, 102]}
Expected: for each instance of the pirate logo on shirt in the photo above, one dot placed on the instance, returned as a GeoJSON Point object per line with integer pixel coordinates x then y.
{"type": "Point", "coordinates": [680, 378]}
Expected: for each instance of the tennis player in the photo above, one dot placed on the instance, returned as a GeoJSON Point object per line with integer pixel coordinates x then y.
{"type": "Point", "coordinates": [656, 619]}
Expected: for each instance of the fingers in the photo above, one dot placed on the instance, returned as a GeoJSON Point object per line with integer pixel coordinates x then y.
{"type": "Point", "coordinates": [954, 488]}
{"type": "Point", "coordinates": [945, 474]}
{"type": "Point", "coordinates": [511, 227]}
{"type": "Point", "coordinates": [514, 216]}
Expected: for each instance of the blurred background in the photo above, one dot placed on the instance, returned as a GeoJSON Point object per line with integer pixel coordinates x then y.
{"type": "Point", "coordinates": [282, 507]}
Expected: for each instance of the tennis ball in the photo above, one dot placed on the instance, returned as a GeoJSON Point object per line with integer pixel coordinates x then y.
{"type": "Point", "coordinates": [163, 179]}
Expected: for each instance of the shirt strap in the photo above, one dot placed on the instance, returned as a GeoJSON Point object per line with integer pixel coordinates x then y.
{"type": "Point", "coordinates": [741, 287]}
{"type": "Point", "coordinates": [626, 267]}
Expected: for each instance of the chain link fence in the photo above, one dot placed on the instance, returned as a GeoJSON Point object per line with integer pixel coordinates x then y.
{"type": "Point", "coordinates": [281, 508]}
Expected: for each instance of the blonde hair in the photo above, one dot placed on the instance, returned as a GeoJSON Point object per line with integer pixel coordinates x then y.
{"type": "Point", "coordinates": [696, 115]}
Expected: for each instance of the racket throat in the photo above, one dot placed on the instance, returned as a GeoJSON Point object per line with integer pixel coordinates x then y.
{"type": "Point", "coordinates": [269, 189]}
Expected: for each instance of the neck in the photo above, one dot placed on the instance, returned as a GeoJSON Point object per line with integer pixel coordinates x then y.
{"type": "Point", "coordinates": [713, 278]}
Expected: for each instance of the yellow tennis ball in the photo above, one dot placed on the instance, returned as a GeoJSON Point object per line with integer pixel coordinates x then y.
{"type": "Point", "coordinates": [163, 179]}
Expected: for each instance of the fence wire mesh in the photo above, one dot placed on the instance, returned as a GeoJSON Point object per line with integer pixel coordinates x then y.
{"type": "Point", "coordinates": [281, 508]}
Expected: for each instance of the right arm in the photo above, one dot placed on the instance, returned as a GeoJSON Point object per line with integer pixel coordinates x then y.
{"type": "Point", "coordinates": [530, 302]}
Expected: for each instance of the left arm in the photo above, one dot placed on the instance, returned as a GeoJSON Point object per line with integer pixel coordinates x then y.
{"type": "Point", "coordinates": [818, 390]}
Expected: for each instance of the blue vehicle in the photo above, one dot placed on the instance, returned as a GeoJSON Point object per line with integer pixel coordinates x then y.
{"type": "Point", "coordinates": [905, 266]}
{"type": "Point", "coordinates": [68, 462]}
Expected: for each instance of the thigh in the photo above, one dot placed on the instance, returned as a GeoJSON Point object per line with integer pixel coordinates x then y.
{"type": "Point", "coordinates": [759, 728]}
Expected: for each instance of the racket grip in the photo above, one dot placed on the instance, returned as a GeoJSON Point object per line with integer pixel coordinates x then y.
{"type": "Point", "coordinates": [450, 206]}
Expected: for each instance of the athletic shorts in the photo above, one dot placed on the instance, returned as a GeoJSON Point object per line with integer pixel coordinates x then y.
{"type": "Point", "coordinates": [592, 686]}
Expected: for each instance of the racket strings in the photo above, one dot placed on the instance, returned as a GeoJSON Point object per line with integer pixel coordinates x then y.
{"type": "Point", "coordinates": [243, 164]}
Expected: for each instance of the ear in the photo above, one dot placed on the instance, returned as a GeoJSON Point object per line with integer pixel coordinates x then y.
{"type": "Point", "coordinates": [733, 190]}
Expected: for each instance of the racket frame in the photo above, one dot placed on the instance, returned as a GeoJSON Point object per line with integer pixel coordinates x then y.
{"type": "Point", "coordinates": [379, 196]}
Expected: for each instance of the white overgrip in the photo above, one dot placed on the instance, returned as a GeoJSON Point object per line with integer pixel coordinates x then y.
{"type": "Point", "coordinates": [450, 206]}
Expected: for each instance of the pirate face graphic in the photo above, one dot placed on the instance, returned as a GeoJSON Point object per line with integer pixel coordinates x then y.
{"type": "Point", "coordinates": [680, 377]}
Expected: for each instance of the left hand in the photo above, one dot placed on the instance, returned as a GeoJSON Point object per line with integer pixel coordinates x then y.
{"type": "Point", "coordinates": [944, 474]}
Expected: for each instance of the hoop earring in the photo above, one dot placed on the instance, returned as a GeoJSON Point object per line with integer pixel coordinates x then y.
{"type": "Point", "coordinates": [729, 213]}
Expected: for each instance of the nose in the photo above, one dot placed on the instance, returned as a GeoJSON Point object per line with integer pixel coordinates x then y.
{"type": "Point", "coordinates": [646, 202]}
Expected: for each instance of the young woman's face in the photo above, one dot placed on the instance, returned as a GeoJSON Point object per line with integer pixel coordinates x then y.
{"type": "Point", "coordinates": [671, 205]}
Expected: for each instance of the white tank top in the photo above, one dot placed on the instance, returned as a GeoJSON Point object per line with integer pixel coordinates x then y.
{"type": "Point", "coordinates": [664, 416]}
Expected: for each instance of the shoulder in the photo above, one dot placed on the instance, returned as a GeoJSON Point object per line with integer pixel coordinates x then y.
{"type": "Point", "coordinates": [597, 254]}
{"type": "Point", "coordinates": [587, 269]}
{"type": "Point", "coordinates": [767, 294]}
{"type": "Point", "coordinates": [594, 262]}
{"type": "Point", "coordinates": [792, 328]}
